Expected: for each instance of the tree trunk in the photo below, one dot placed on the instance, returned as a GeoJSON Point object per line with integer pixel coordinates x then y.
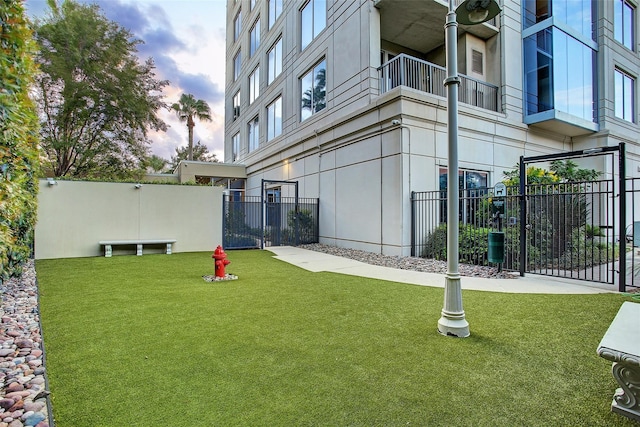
{"type": "Point", "coordinates": [190, 125]}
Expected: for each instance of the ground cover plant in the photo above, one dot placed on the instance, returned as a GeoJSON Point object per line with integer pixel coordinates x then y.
{"type": "Point", "coordinates": [145, 341]}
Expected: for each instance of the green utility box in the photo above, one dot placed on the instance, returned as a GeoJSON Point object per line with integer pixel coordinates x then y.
{"type": "Point", "coordinates": [496, 247]}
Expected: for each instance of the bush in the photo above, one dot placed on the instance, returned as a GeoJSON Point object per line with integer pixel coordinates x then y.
{"type": "Point", "coordinates": [473, 244]}
{"type": "Point", "coordinates": [19, 156]}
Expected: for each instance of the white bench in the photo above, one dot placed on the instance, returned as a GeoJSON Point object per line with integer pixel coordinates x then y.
{"type": "Point", "coordinates": [621, 345]}
{"type": "Point", "coordinates": [139, 243]}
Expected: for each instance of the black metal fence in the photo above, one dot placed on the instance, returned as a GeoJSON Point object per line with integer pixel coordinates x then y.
{"type": "Point", "coordinates": [571, 229]}
{"type": "Point", "coordinates": [250, 223]}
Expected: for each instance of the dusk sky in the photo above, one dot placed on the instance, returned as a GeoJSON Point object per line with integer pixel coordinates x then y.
{"type": "Point", "coordinates": [186, 38]}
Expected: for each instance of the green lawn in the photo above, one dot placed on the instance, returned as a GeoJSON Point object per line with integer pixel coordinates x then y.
{"type": "Point", "coordinates": [145, 341]}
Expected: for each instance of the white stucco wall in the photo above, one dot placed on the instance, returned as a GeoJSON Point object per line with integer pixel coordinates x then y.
{"type": "Point", "coordinates": [74, 216]}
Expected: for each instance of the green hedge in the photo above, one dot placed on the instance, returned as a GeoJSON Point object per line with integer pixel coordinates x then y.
{"type": "Point", "coordinates": [19, 156]}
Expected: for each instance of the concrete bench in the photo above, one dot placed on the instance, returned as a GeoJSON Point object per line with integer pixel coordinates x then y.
{"type": "Point", "coordinates": [621, 345]}
{"type": "Point", "coordinates": [139, 244]}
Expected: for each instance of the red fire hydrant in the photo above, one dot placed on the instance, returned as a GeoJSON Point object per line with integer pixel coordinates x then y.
{"type": "Point", "coordinates": [221, 261]}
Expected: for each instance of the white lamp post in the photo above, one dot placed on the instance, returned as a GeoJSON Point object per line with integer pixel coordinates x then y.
{"type": "Point", "coordinates": [470, 12]}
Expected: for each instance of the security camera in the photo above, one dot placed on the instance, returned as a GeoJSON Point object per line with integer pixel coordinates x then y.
{"type": "Point", "coordinates": [137, 186]}
{"type": "Point", "coordinates": [395, 122]}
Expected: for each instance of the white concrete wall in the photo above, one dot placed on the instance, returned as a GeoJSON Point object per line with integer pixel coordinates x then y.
{"type": "Point", "coordinates": [73, 216]}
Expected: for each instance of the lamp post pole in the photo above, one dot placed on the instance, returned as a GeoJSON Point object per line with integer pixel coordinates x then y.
{"type": "Point", "coordinates": [452, 322]}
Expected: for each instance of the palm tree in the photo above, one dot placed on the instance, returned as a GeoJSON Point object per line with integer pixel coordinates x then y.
{"type": "Point", "coordinates": [186, 109]}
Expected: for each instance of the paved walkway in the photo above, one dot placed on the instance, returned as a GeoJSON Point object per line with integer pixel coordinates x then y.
{"type": "Point", "coordinates": [531, 283]}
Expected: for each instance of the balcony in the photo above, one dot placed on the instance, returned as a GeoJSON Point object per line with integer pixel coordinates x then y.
{"type": "Point", "coordinates": [404, 70]}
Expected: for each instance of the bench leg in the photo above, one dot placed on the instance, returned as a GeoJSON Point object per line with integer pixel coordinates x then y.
{"type": "Point", "coordinates": [139, 249]}
{"type": "Point", "coordinates": [107, 251]}
{"type": "Point", "coordinates": [168, 248]}
{"type": "Point", "coordinates": [626, 400]}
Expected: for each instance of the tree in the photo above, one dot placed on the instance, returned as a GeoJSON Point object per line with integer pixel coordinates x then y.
{"type": "Point", "coordinates": [200, 153]}
{"type": "Point", "coordinates": [155, 164]}
{"type": "Point", "coordinates": [97, 101]}
{"type": "Point", "coordinates": [186, 109]}
{"type": "Point", "coordinates": [19, 155]}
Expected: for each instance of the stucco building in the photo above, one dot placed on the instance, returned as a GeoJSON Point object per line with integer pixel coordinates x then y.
{"type": "Point", "coordinates": [346, 98]}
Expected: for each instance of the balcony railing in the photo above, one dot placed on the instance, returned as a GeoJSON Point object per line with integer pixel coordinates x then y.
{"type": "Point", "coordinates": [404, 70]}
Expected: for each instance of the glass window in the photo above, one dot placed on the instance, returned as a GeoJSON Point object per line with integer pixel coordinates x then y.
{"type": "Point", "coordinates": [314, 91]}
{"type": "Point", "coordinates": [254, 133]}
{"type": "Point", "coordinates": [254, 38]}
{"type": "Point", "coordinates": [274, 119]}
{"type": "Point", "coordinates": [274, 59]}
{"type": "Point", "coordinates": [623, 23]}
{"type": "Point", "coordinates": [236, 105]}
{"type": "Point", "coordinates": [578, 14]}
{"type": "Point", "coordinates": [477, 62]}
{"type": "Point", "coordinates": [237, 26]}
{"type": "Point", "coordinates": [559, 74]}
{"type": "Point", "coordinates": [237, 63]}
{"type": "Point", "coordinates": [625, 96]}
{"type": "Point", "coordinates": [275, 9]}
{"type": "Point", "coordinates": [313, 21]}
{"type": "Point", "coordinates": [252, 5]}
{"type": "Point", "coordinates": [254, 85]}
{"type": "Point", "coordinates": [235, 147]}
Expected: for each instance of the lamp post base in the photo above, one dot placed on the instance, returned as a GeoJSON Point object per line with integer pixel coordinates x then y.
{"type": "Point", "coordinates": [453, 322]}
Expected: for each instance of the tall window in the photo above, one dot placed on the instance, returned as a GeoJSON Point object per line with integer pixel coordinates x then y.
{"type": "Point", "coordinates": [235, 147]}
{"type": "Point", "coordinates": [313, 20]}
{"type": "Point", "coordinates": [274, 119]}
{"type": "Point", "coordinates": [623, 24]}
{"type": "Point", "coordinates": [313, 90]}
{"type": "Point", "coordinates": [254, 85]}
{"type": "Point", "coordinates": [237, 63]}
{"type": "Point", "coordinates": [252, 5]}
{"type": "Point", "coordinates": [254, 38]}
{"type": "Point", "coordinates": [275, 9]}
{"type": "Point", "coordinates": [274, 59]}
{"type": "Point", "coordinates": [625, 96]}
{"type": "Point", "coordinates": [254, 133]}
{"type": "Point", "coordinates": [236, 105]}
{"type": "Point", "coordinates": [237, 26]}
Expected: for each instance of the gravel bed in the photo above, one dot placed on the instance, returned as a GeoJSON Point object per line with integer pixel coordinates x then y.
{"type": "Point", "coordinates": [409, 263]}
{"type": "Point", "coordinates": [24, 391]}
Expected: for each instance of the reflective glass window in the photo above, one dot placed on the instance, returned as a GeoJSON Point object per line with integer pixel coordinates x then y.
{"type": "Point", "coordinates": [235, 147]}
{"type": "Point", "coordinates": [254, 38]}
{"type": "Point", "coordinates": [314, 91]}
{"type": "Point", "coordinates": [274, 119]}
{"type": "Point", "coordinates": [275, 10]}
{"type": "Point", "coordinates": [254, 85]}
{"type": "Point", "coordinates": [623, 23]}
{"type": "Point", "coordinates": [313, 21]}
{"type": "Point", "coordinates": [625, 96]}
{"type": "Point", "coordinates": [274, 60]}
{"type": "Point", "coordinates": [253, 133]}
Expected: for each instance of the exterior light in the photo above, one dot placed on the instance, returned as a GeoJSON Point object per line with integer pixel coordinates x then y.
{"type": "Point", "coordinates": [453, 322]}
{"type": "Point", "coordinates": [472, 12]}
{"type": "Point", "coordinates": [51, 182]}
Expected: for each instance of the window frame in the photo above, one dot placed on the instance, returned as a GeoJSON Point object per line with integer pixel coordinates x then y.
{"type": "Point", "coordinates": [235, 147]}
{"type": "Point", "coordinates": [301, 81]}
{"type": "Point", "coordinates": [274, 68]}
{"type": "Point", "coordinates": [311, 9]}
{"type": "Point", "coordinates": [254, 38]}
{"type": "Point", "coordinates": [272, 128]}
{"type": "Point", "coordinates": [237, 26]}
{"type": "Point", "coordinates": [236, 104]}
{"type": "Point", "coordinates": [254, 84]}
{"type": "Point", "coordinates": [253, 133]}
{"type": "Point", "coordinates": [623, 35]}
{"type": "Point", "coordinates": [237, 65]}
{"type": "Point", "coordinates": [628, 102]}
{"type": "Point", "coordinates": [275, 8]}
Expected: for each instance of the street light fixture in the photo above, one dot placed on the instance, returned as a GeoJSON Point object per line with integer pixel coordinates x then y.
{"type": "Point", "coordinates": [471, 12]}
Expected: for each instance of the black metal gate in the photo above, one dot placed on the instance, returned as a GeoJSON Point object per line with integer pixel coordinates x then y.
{"type": "Point", "coordinates": [576, 230]}
{"type": "Point", "coordinates": [268, 220]}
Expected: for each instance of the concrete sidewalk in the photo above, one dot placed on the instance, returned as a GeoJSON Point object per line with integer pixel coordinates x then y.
{"type": "Point", "coordinates": [531, 284]}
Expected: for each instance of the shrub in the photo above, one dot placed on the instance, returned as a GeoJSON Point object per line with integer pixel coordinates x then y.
{"type": "Point", "coordinates": [18, 141]}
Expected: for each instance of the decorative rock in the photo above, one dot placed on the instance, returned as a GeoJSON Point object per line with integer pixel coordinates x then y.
{"type": "Point", "coordinates": [15, 387]}
{"type": "Point", "coordinates": [34, 419]}
{"type": "Point", "coordinates": [7, 403]}
{"type": "Point", "coordinates": [6, 352]}
{"type": "Point", "coordinates": [33, 406]}
{"type": "Point", "coordinates": [16, 423]}
{"type": "Point", "coordinates": [24, 343]}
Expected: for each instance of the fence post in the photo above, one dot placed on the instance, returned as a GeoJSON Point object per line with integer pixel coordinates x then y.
{"type": "Point", "coordinates": [523, 217]}
{"type": "Point", "coordinates": [622, 264]}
